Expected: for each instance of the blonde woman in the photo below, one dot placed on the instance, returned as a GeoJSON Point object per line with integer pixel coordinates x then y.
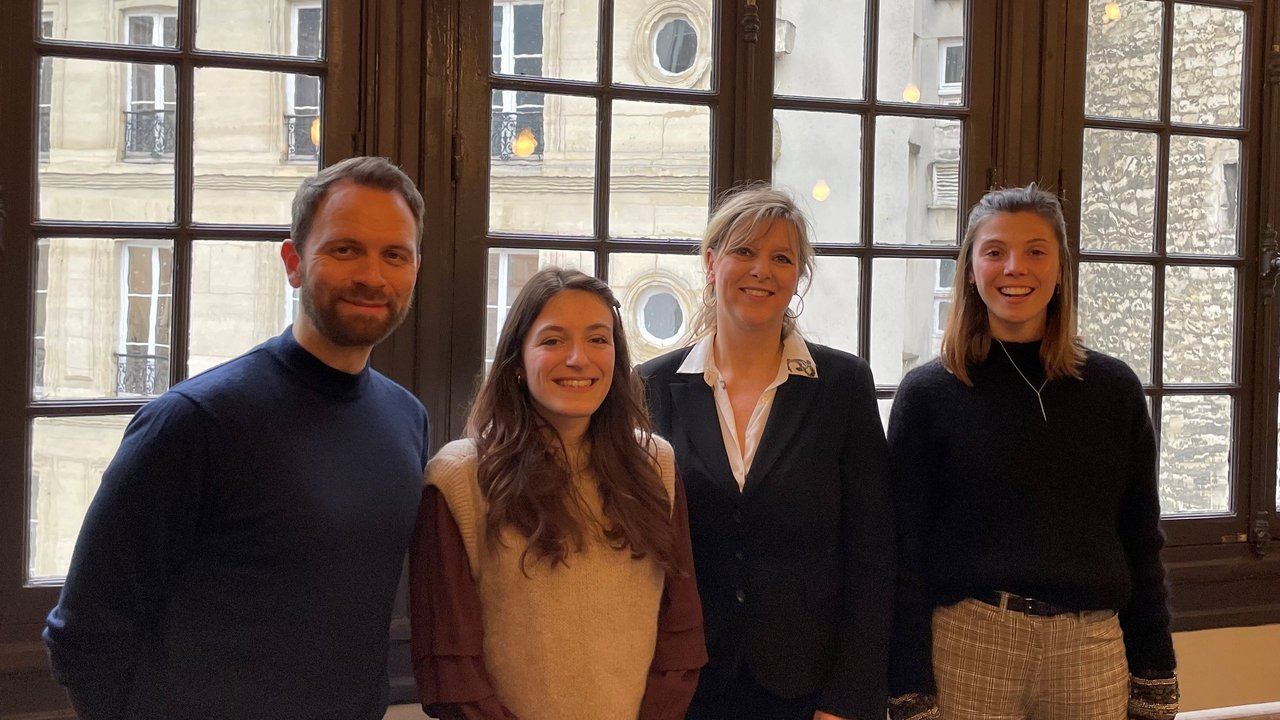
{"type": "Point", "coordinates": [782, 452]}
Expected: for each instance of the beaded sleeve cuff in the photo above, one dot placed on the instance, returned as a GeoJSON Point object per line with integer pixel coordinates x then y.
{"type": "Point", "coordinates": [914, 706]}
{"type": "Point", "coordinates": [1153, 699]}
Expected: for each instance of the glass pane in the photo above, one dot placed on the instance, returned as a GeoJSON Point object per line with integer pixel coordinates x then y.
{"type": "Point", "coordinates": [1122, 67]}
{"type": "Point", "coordinates": [68, 456]}
{"type": "Point", "coordinates": [660, 170]}
{"type": "Point", "coordinates": [40, 318]}
{"type": "Point", "coordinates": [817, 157]}
{"type": "Point", "coordinates": [886, 408]}
{"type": "Point", "coordinates": [921, 52]}
{"type": "Point", "coordinates": [661, 296]}
{"type": "Point", "coordinates": [542, 151]}
{"type": "Point", "coordinates": [1118, 191]}
{"type": "Point", "coordinates": [1195, 452]}
{"type": "Point", "coordinates": [1199, 322]}
{"type": "Point", "coordinates": [1116, 312]}
{"type": "Point", "coordinates": [104, 23]}
{"type": "Point", "coordinates": [908, 316]}
{"type": "Point", "coordinates": [508, 271]}
{"type": "Point", "coordinates": [239, 297]}
{"type": "Point", "coordinates": [916, 184]}
{"type": "Point", "coordinates": [280, 28]}
{"type": "Point", "coordinates": [249, 160]}
{"type": "Point", "coordinates": [810, 39]}
{"type": "Point", "coordinates": [99, 162]}
{"type": "Point", "coordinates": [557, 43]}
{"type": "Point", "coordinates": [1204, 192]}
{"type": "Point", "coordinates": [1208, 63]}
{"type": "Point", "coordinates": [106, 318]}
{"type": "Point", "coordinates": [830, 311]}
{"type": "Point", "coordinates": [668, 44]}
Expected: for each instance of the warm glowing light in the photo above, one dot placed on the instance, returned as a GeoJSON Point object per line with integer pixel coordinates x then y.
{"type": "Point", "coordinates": [821, 191]}
{"type": "Point", "coordinates": [524, 144]}
{"type": "Point", "coordinates": [315, 131]}
{"type": "Point", "coordinates": [1112, 11]}
{"type": "Point", "coordinates": [911, 93]}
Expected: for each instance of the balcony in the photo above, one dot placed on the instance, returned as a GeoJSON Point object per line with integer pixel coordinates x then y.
{"type": "Point", "coordinates": [141, 375]}
{"type": "Point", "coordinates": [298, 136]}
{"type": "Point", "coordinates": [505, 126]}
{"type": "Point", "coordinates": [149, 134]}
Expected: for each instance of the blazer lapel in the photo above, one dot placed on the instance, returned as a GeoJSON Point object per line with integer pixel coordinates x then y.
{"type": "Point", "coordinates": [693, 417]}
{"type": "Point", "coordinates": [790, 405]}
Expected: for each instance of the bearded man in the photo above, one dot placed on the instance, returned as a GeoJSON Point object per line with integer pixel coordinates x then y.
{"type": "Point", "coordinates": [241, 557]}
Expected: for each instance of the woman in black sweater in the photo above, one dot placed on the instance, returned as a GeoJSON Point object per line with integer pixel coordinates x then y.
{"type": "Point", "coordinates": [1031, 584]}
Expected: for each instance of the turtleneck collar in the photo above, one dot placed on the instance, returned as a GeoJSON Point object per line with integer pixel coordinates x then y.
{"type": "Point", "coordinates": [313, 372]}
{"type": "Point", "coordinates": [1024, 355]}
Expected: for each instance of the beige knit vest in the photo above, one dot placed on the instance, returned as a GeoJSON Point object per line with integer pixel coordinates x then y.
{"type": "Point", "coordinates": [563, 642]}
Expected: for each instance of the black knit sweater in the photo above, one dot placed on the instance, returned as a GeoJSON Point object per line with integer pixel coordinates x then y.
{"type": "Point", "coordinates": [990, 496]}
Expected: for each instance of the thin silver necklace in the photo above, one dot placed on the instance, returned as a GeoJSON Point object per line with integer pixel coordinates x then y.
{"type": "Point", "coordinates": [1025, 380]}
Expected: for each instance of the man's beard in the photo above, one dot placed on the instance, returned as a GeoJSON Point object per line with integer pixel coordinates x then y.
{"type": "Point", "coordinates": [350, 330]}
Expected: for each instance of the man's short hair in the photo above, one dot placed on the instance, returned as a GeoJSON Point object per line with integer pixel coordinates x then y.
{"type": "Point", "coordinates": [373, 172]}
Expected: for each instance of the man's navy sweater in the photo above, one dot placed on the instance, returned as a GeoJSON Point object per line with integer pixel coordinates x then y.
{"type": "Point", "coordinates": [241, 558]}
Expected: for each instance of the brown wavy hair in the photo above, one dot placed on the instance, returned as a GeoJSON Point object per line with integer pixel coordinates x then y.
{"type": "Point", "coordinates": [523, 467]}
{"type": "Point", "coordinates": [967, 339]}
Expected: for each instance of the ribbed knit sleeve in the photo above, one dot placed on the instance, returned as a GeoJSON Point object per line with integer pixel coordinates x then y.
{"type": "Point", "coordinates": [911, 456]}
{"type": "Point", "coordinates": [1145, 620]}
{"type": "Point", "coordinates": [138, 529]}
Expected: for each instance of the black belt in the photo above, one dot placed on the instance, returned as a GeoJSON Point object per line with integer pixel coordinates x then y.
{"type": "Point", "coordinates": [1024, 605]}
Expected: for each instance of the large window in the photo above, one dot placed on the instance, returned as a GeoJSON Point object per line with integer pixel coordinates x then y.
{"type": "Point", "coordinates": [146, 298]}
{"type": "Point", "coordinates": [1162, 272]}
{"type": "Point", "coordinates": [150, 90]}
{"type": "Point", "coordinates": [516, 126]}
{"type": "Point", "coordinates": [149, 259]}
{"type": "Point", "coordinates": [302, 119]}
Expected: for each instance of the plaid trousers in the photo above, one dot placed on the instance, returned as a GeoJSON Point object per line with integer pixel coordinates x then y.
{"type": "Point", "coordinates": [1001, 664]}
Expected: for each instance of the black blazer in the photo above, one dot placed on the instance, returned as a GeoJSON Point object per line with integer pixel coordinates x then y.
{"type": "Point", "coordinates": [796, 571]}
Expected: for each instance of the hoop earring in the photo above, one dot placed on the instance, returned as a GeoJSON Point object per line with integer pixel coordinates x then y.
{"type": "Point", "coordinates": [795, 314]}
{"type": "Point", "coordinates": [709, 295]}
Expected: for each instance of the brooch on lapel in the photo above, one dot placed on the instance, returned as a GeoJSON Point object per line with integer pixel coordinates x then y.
{"type": "Point", "coordinates": [800, 366]}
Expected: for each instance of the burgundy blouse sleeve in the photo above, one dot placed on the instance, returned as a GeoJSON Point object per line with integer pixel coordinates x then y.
{"type": "Point", "coordinates": [681, 648]}
{"type": "Point", "coordinates": [447, 638]}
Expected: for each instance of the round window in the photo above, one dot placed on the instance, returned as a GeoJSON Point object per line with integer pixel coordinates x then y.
{"type": "Point", "coordinates": [676, 46]}
{"type": "Point", "coordinates": [661, 316]}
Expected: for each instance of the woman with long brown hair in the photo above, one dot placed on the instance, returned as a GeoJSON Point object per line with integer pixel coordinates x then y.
{"type": "Point", "coordinates": [551, 574]}
{"type": "Point", "coordinates": [1025, 466]}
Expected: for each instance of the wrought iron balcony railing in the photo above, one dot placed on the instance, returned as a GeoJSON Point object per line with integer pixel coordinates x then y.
{"type": "Point", "coordinates": [504, 127]}
{"type": "Point", "coordinates": [138, 374]}
{"type": "Point", "coordinates": [297, 136]}
{"type": "Point", "coordinates": [149, 134]}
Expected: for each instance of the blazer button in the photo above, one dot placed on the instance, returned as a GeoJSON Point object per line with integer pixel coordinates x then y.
{"type": "Point", "coordinates": [740, 555]}
{"type": "Point", "coordinates": [737, 516]}
{"type": "Point", "coordinates": [741, 596]}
